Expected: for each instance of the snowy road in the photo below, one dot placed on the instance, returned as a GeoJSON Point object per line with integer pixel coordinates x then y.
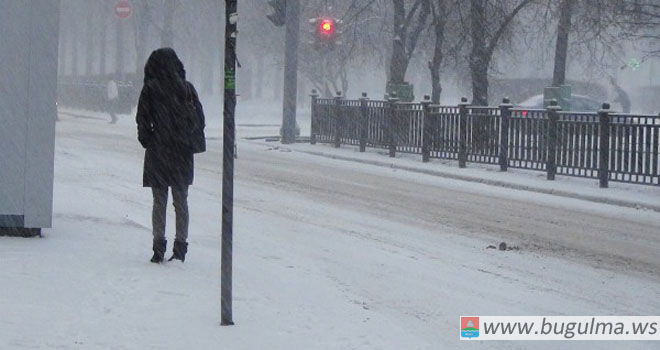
{"type": "Point", "coordinates": [328, 255]}
{"type": "Point", "coordinates": [606, 236]}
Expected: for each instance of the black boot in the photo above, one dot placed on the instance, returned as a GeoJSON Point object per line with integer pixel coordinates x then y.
{"type": "Point", "coordinates": [180, 250]}
{"type": "Point", "coordinates": [160, 246]}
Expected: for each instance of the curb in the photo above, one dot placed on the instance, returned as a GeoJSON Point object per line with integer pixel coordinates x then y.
{"type": "Point", "coordinates": [503, 184]}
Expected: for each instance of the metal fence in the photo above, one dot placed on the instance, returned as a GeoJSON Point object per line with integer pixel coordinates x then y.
{"type": "Point", "coordinates": [605, 145]}
{"type": "Point", "coordinates": [91, 93]}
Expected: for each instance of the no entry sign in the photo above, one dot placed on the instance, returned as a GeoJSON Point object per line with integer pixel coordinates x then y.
{"type": "Point", "coordinates": [123, 9]}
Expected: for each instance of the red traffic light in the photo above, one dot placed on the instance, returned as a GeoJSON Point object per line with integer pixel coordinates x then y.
{"type": "Point", "coordinates": [327, 27]}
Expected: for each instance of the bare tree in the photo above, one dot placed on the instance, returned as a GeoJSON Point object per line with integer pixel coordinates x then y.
{"type": "Point", "coordinates": [563, 29]}
{"type": "Point", "coordinates": [647, 26]}
{"type": "Point", "coordinates": [407, 27]}
{"type": "Point", "coordinates": [489, 21]}
{"type": "Point", "coordinates": [600, 29]}
{"type": "Point", "coordinates": [444, 22]}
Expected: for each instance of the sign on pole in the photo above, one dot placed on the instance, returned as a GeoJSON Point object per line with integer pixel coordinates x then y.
{"type": "Point", "coordinates": [123, 9]}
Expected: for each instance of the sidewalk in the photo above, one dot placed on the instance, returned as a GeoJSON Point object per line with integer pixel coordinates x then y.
{"type": "Point", "coordinates": [619, 194]}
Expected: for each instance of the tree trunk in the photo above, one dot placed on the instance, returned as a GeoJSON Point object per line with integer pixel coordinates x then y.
{"type": "Point", "coordinates": [561, 50]}
{"type": "Point", "coordinates": [482, 51]}
{"type": "Point", "coordinates": [479, 82]}
{"type": "Point", "coordinates": [436, 85]}
{"type": "Point", "coordinates": [439, 23]}
{"type": "Point", "coordinates": [399, 62]}
{"type": "Point", "coordinates": [344, 82]}
{"type": "Point", "coordinates": [479, 60]}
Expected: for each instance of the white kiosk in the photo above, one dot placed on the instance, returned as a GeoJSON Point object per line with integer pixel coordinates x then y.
{"type": "Point", "coordinates": [28, 92]}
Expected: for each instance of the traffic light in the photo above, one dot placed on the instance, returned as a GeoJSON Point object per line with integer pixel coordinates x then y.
{"type": "Point", "coordinates": [278, 17]}
{"type": "Point", "coordinates": [325, 31]}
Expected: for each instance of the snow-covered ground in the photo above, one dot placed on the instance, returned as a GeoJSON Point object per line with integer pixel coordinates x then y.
{"type": "Point", "coordinates": [328, 254]}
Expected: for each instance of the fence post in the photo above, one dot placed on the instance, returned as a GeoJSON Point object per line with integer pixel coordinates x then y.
{"type": "Point", "coordinates": [391, 116]}
{"type": "Point", "coordinates": [604, 145]}
{"type": "Point", "coordinates": [505, 113]}
{"type": "Point", "coordinates": [338, 120]}
{"type": "Point", "coordinates": [364, 121]}
{"type": "Point", "coordinates": [426, 129]}
{"type": "Point", "coordinates": [462, 133]}
{"type": "Point", "coordinates": [553, 117]}
{"type": "Point", "coordinates": [314, 123]}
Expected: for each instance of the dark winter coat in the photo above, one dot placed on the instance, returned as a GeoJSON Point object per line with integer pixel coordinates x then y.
{"type": "Point", "coordinates": [167, 161]}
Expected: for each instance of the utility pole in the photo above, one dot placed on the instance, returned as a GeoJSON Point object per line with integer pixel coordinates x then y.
{"type": "Point", "coordinates": [290, 71]}
{"type": "Point", "coordinates": [229, 136]}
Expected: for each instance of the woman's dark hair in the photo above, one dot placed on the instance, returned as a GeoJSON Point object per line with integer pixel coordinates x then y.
{"type": "Point", "coordinates": [165, 73]}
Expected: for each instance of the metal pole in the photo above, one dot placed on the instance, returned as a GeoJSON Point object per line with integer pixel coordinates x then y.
{"type": "Point", "coordinates": [231, 13]}
{"type": "Point", "coordinates": [426, 129]}
{"type": "Point", "coordinates": [337, 119]}
{"type": "Point", "coordinates": [291, 71]}
{"type": "Point", "coordinates": [391, 121]}
{"type": "Point", "coordinates": [505, 113]}
{"type": "Point", "coordinates": [553, 117]}
{"type": "Point", "coordinates": [462, 133]}
{"type": "Point", "coordinates": [364, 121]}
{"type": "Point", "coordinates": [604, 145]}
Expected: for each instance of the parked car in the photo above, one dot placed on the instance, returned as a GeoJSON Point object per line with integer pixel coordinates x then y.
{"type": "Point", "coordinates": [579, 103]}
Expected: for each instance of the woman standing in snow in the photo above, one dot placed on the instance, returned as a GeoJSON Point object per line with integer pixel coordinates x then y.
{"type": "Point", "coordinates": [168, 112]}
